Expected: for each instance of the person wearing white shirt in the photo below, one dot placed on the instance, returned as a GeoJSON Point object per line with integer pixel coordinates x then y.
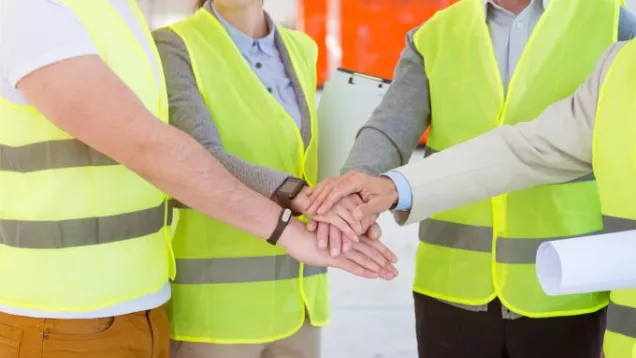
{"type": "Point", "coordinates": [86, 155]}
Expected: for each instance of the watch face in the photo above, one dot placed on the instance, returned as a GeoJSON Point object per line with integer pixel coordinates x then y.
{"type": "Point", "coordinates": [289, 186]}
{"type": "Point", "coordinates": [287, 214]}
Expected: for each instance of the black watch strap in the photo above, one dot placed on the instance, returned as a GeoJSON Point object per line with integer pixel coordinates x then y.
{"type": "Point", "coordinates": [288, 191]}
{"type": "Point", "coordinates": [283, 221]}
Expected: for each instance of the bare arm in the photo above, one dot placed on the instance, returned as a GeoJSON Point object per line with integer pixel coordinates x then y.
{"type": "Point", "coordinates": [85, 98]}
{"type": "Point", "coordinates": [554, 148]}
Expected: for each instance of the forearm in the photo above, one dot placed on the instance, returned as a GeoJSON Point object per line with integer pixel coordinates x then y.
{"type": "Point", "coordinates": [498, 162]}
{"type": "Point", "coordinates": [189, 113]}
{"type": "Point", "coordinates": [185, 170]}
{"type": "Point", "coordinates": [263, 180]}
{"type": "Point", "coordinates": [101, 111]}
{"type": "Point", "coordinates": [372, 153]}
{"type": "Point", "coordinates": [388, 139]}
{"type": "Point", "coordinates": [554, 148]}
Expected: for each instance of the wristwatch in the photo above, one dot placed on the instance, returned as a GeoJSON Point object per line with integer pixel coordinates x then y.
{"type": "Point", "coordinates": [288, 191]}
{"type": "Point", "coordinates": [283, 221]}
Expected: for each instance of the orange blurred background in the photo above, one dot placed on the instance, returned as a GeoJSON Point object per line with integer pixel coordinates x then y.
{"type": "Point", "coordinates": [372, 33]}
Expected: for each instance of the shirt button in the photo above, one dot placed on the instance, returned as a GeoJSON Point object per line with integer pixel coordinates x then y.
{"type": "Point", "coordinates": [258, 65]}
{"type": "Point", "coordinates": [520, 25]}
{"type": "Point", "coordinates": [269, 89]}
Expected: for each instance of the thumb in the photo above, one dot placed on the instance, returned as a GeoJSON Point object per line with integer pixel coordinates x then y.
{"type": "Point", "coordinates": [372, 207]}
{"type": "Point", "coordinates": [375, 232]}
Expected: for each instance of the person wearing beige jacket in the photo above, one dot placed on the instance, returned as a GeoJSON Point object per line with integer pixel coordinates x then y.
{"type": "Point", "coordinates": [568, 140]}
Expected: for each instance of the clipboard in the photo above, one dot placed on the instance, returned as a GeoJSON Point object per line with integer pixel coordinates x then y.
{"type": "Point", "coordinates": [348, 100]}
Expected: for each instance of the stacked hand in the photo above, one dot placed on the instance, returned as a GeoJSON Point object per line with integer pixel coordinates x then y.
{"type": "Point", "coordinates": [378, 193]}
{"type": "Point", "coordinates": [343, 215]}
{"type": "Point", "coordinates": [366, 258]}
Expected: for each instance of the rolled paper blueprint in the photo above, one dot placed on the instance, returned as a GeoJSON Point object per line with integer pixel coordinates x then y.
{"type": "Point", "coordinates": [588, 264]}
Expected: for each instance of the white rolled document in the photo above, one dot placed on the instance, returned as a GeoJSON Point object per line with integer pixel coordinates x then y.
{"type": "Point", "coordinates": [588, 264]}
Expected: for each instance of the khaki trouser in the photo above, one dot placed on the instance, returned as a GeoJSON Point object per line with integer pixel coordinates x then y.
{"type": "Point", "coordinates": [136, 335]}
{"type": "Point", "coordinates": [303, 344]}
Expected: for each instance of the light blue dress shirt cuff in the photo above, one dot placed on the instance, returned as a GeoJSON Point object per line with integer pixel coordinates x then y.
{"type": "Point", "coordinates": [405, 195]}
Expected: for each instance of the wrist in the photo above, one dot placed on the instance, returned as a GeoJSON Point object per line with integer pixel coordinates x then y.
{"type": "Point", "coordinates": [283, 222]}
{"type": "Point", "coordinates": [288, 195]}
{"type": "Point", "coordinates": [289, 233]}
{"type": "Point", "coordinates": [301, 202]}
{"type": "Point", "coordinates": [391, 191]}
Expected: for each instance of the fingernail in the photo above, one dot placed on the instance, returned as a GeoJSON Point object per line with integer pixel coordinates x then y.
{"type": "Point", "coordinates": [334, 252]}
{"type": "Point", "coordinates": [322, 245]}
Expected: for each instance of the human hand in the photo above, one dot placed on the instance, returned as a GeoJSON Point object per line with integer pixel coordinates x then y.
{"type": "Point", "coordinates": [330, 236]}
{"type": "Point", "coordinates": [379, 194]}
{"type": "Point", "coordinates": [366, 258]}
{"type": "Point", "coordinates": [340, 219]}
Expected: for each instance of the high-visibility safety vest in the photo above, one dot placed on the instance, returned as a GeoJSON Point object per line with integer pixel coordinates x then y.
{"type": "Point", "coordinates": [232, 288]}
{"type": "Point", "coordinates": [614, 164]}
{"type": "Point", "coordinates": [476, 253]}
{"type": "Point", "coordinates": [79, 231]}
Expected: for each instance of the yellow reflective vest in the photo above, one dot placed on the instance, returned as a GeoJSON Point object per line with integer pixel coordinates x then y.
{"type": "Point", "coordinates": [232, 288]}
{"type": "Point", "coordinates": [475, 253]}
{"type": "Point", "coordinates": [79, 231]}
{"type": "Point", "coordinates": [614, 164]}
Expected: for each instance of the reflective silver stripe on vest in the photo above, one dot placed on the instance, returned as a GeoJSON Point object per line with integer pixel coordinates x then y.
{"type": "Point", "coordinates": [509, 250]}
{"type": "Point", "coordinates": [613, 224]}
{"type": "Point", "coordinates": [456, 236]}
{"type": "Point", "coordinates": [621, 320]}
{"type": "Point", "coordinates": [241, 270]}
{"type": "Point", "coordinates": [81, 232]}
{"type": "Point", "coordinates": [585, 178]}
{"type": "Point", "coordinates": [520, 250]}
{"type": "Point", "coordinates": [56, 154]}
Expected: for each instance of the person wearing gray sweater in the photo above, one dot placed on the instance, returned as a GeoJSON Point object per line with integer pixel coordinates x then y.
{"type": "Point", "coordinates": [252, 301]}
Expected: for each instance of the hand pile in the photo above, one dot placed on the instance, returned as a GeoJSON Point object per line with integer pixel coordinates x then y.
{"type": "Point", "coordinates": [343, 215]}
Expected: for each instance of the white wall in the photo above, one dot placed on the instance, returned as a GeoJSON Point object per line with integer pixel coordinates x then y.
{"type": "Point", "coordinates": [284, 11]}
{"type": "Point", "coordinates": [163, 12]}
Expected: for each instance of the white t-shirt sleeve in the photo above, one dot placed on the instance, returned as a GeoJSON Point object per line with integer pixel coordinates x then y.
{"type": "Point", "coordinates": [37, 33]}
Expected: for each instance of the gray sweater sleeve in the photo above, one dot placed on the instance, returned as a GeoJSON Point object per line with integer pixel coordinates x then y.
{"type": "Point", "coordinates": [554, 148]}
{"type": "Point", "coordinates": [388, 139]}
{"type": "Point", "coordinates": [189, 113]}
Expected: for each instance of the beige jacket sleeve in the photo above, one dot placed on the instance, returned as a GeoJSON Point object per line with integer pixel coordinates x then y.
{"type": "Point", "coordinates": [554, 148]}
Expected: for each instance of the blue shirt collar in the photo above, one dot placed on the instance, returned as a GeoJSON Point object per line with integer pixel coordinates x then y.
{"type": "Point", "coordinates": [245, 43]}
